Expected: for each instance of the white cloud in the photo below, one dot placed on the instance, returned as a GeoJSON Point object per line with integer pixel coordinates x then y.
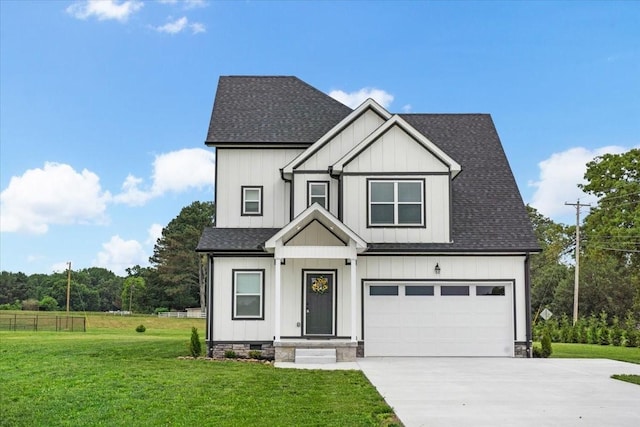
{"type": "Point", "coordinates": [119, 254]}
{"type": "Point", "coordinates": [154, 232]}
{"type": "Point", "coordinates": [104, 9]}
{"type": "Point", "coordinates": [173, 27]}
{"type": "Point", "coordinates": [175, 171]}
{"type": "Point", "coordinates": [179, 25]}
{"type": "Point", "coordinates": [191, 4]}
{"type": "Point", "coordinates": [354, 99]}
{"type": "Point", "coordinates": [183, 169]}
{"type": "Point", "coordinates": [198, 27]}
{"type": "Point", "coordinates": [132, 195]}
{"type": "Point", "coordinates": [559, 177]}
{"type": "Point", "coordinates": [55, 194]}
{"type": "Point", "coordinates": [188, 4]}
{"type": "Point", "coordinates": [406, 108]}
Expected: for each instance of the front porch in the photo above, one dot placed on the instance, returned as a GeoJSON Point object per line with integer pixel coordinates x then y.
{"type": "Point", "coordinates": [316, 235]}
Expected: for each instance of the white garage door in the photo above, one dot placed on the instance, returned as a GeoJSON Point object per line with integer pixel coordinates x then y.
{"type": "Point", "coordinates": [443, 319]}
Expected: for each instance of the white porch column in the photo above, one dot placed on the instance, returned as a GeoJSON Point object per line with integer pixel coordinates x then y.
{"type": "Point", "coordinates": [276, 316]}
{"type": "Point", "coordinates": [354, 316]}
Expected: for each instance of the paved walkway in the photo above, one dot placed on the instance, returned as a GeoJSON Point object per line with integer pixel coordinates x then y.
{"type": "Point", "coordinates": [506, 392]}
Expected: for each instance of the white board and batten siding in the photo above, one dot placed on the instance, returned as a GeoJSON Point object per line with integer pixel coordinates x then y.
{"type": "Point", "coordinates": [300, 191]}
{"type": "Point", "coordinates": [227, 329]}
{"type": "Point", "coordinates": [396, 152]}
{"type": "Point", "coordinates": [436, 205]}
{"type": "Point", "coordinates": [342, 142]}
{"type": "Point", "coordinates": [252, 167]}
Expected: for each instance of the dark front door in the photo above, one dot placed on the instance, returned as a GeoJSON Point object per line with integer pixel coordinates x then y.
{"type": "Point", "coordinates": [319, 303]}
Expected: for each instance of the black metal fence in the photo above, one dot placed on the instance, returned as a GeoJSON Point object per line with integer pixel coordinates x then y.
{"type": "Point", "coordinates": [38, 322]}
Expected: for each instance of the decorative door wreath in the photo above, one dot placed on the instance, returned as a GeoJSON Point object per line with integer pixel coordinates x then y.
{"type": "Point", "coordinates": [320, 285]}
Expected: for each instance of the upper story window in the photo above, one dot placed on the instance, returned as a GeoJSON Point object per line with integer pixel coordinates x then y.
{"type": "Point", "coordinates": [251, 200]}
{"type": "Point", "coordinates": [318, 192]}
{"type": "Point", "coordinates": [396, 203]}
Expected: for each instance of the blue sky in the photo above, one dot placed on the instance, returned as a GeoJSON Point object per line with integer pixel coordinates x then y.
{"type": "Point", "coordinates": [104, 105]}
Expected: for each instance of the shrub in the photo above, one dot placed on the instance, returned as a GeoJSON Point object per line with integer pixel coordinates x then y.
{"type": "Point", "coordinates": [616, 332]}
{"type": "Point", "coordinates": [195, 347]}
{"type": "Point", "coordinates": [592, 332]}
{"type": "Point", "coordinates": [230, 354]}
{"type": "Point", "coordinates": [603, 329]}
{"type": "Point", "coordinates": [48, 304]}
{"type": "Point", "coordinates": [566, 329]}
{"type": "Point", "coordinates": [546, 343]}
{"type": "Point", "coordinates": [160, 310]}
{"type": "Point", "coordinates": [255, 354]}
{"type": "Point", "coordinates": [581, 332]}
{"type": "Point", "coordinates": [17, 305]}
{"type": "Point", "coordinates": [537, 352]}
{"type": "Point", "coordinates": [630, 330]}
{"type": "Point", "coordinates": [30, 304]}
{"type": "Point", "coordinates": [140, 328]}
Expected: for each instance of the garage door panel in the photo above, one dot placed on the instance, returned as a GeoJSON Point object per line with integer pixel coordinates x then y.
{"type": "Point", "coordinates": [454, 325]}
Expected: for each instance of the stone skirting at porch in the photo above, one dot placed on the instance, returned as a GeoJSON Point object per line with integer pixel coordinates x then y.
{"type": "Point", "coordinates": [218, 350]}
{"type": "Point", "coordinates": [285, 350]}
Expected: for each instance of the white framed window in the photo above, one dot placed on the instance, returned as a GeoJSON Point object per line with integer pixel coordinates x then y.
{"type": "Point", "coordinates": [248, 295]}
{"type": "Point", "coordinates": [395, 203]}
{"type": "Point", "coordinates": [251, 200]}
{"type": "Point", "coordinates": [318, 192]}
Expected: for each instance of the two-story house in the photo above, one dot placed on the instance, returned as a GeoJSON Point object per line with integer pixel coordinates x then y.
{"type": "Point", "coordinates": [372, 233]}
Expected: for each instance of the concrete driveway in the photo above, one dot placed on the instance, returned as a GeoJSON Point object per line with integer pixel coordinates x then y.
{"type": "Point", "coordinates": [506, 392]}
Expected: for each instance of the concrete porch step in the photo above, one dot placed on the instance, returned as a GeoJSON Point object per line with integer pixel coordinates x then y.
{"type": "Point", "coordinates": [315, 355]}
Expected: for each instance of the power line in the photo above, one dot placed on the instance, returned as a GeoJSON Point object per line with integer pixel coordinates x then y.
{"type": "Point", "coordinates": [618, 197]}
{"type": "Point", "coordinates": [617, 250]}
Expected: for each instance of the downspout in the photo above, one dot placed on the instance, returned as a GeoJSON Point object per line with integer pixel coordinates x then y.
{"type": "Point", "coordinates": [209, 319]}
{"type": "Point", "coordinates": [527, 296]}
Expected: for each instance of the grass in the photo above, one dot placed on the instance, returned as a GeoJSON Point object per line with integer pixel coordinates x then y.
{"type": "Point", "coordinates": [112, 375]}
{"type": "Point", "coordinates": [634, 379]}
{"type": "Point", "coordinates": [594, 351]}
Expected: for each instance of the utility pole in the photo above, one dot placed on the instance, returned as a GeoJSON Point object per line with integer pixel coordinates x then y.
{"type": "Point", "coordinates": [576, 280]}
{"type": "Point", "coordinates": [68, 284]}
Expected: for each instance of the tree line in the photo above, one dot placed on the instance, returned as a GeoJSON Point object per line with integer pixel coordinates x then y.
{"type": "Point", "coordinates": [174, 280]}
{"type": "Point", "coordinates": [609, 273]}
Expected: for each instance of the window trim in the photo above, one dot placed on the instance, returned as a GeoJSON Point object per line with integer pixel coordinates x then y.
{"type": "Point", "coordinates": [326, 193]}
{"type": "Point", "coordinates": [243, 200]}
{"type": "Point", "coordinates": [234, 273]}
{"type": "Point", "coordinates": [395, 181]}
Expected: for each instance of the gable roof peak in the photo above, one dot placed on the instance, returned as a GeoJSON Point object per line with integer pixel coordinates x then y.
{"type": "Point", "coordinates": [397, 120]}
{"type": "Point", "coordinates": [369, 104]}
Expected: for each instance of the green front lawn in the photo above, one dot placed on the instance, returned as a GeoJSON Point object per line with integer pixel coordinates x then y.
{"type": "Point", "coordinates": [114, 376]}
{"type": "Point", "coordinates": [634, 379]}
{"type": "Point", "coordinates": [594, 351]}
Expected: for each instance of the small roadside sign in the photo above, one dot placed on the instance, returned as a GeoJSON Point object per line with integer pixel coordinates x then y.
{"type": "Point", "coordinates": [546, 314]}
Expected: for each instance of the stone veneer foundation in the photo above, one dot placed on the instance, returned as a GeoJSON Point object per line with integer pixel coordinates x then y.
{"type": "Point", "coordinates": [286, 350]}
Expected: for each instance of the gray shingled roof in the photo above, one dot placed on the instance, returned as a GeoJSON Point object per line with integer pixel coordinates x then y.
{"type": "Point", "coordinates": [276, 110]}
{"type": "Point", "coordinates": [234, 239]}
{"type": "Point", "coordinates": [488, 213]}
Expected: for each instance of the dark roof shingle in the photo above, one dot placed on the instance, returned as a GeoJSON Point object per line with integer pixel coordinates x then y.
{"type": "Point", "coordinates": [271, 110]}
{"type": "Point", "coordinates": [487, 210]}
{"type": "Point", "coordinates": [234, 239]}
